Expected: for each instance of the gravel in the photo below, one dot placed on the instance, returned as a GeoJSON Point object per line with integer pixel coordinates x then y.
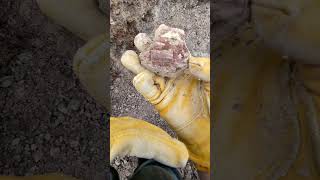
{"type": "Point", "coordinates": [48, 122]}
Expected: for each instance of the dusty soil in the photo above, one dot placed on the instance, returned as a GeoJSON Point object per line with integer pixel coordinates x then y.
{"type": "Point", "coordinates": [228, 16]}
{"type": "Point", "coordinates": [48, 123]}
{"type": "Point", "coordinates": [128, 18]}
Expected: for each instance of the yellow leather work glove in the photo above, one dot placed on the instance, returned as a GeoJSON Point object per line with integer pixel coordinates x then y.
{"type": "Point", "coordinates": [81, 17]}
{"type": "Point", "coordinates": [184, 102]}
{"type": "Point", "coordinates": [90, 65]}
{"type": "Point", "coordinates": [291, 27]}
{"type": "Point", "coordinates": [38, 177]}
{"type": "Point", "coordinates": [135, 137]}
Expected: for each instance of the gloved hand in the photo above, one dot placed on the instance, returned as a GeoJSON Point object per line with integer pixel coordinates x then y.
{"type": "Point", "coordinates": [90, 65]}
{"type": "Point", "coordinates": [135, 137]}
{"type": "Point", "coordinates": [81, 17]}
{"type": "Point", "coordinates": [291, 27]}
{"type": "Point", "coordinates": [184, 102]}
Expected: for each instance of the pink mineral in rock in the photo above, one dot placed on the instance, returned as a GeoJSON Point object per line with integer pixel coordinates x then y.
{"type": "Point", "coordinates": [168, 54]}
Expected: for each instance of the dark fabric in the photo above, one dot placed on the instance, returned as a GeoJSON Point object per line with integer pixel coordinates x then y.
{"type": "Point", "coordinates": [114, 174]}
{"type": "Point", "coordinates": [153, 170]}
{"type": "Point", "coordinates": [150, 170]}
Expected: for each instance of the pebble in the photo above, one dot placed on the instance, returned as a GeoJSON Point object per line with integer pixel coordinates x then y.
{"type": "Point", "coordinates": [74, 144]}
{"type": "Point", "coordinates": [47, 136]}
{"type": "Point", "coordinates": [74, 104]}
{"type": "Point", "coordinates": [125, 161]}
{"type": "Point", "coordinates": [54, 152]}
{"type": "Point", "coordinates": [6, 81]}
{"type": "Point", "coordinates": [37, 156]}
{"type": "Point", "coordinates": [62, 108]}
{"type": "Point", "coordinates": [33, 147]}
{"type": "Point", "coordinates": [15, 142]}
{"type": "Point", "coordinates": [17, 158]}
{"type": "Point", "coordinates": [25, 57]}
{"type": "Point", "coordinates": [117, 162]}
{"type": "Point", "coordinates": [27, 148]}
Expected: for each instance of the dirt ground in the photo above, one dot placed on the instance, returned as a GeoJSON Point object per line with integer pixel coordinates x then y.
{"type": "Point", "coordinates": [48, 123]}
{"type": "Point", "coordinates": [128, 18]}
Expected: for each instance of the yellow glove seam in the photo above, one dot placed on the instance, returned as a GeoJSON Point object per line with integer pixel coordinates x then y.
{"type": "Point", "coordinates": [199, 161]}
{"type": "Point", "coordinates": [164, 93]}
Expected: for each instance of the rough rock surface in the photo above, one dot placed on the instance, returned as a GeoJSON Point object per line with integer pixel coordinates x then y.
{"type": "Point", "coordinates": [168, 54]}
{"type": "Point", "coordinates": [48, 122]}
{"type": "Point", "coordinates": [128, 18]}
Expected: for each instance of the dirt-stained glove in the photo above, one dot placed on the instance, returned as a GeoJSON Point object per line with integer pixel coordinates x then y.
{"type": "Point", "coordinates": [184, 102]}
{"type": "Point", "coordinates": [291, 27]}
{"type": "Point", "coordinates": [135, 137]}
{"type": "Point", "coordinates": [90, 65]}
{"type": "Point", "coordinates": [81, 17]}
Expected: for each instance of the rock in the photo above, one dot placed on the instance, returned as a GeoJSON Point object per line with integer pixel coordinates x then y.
{"type": "Point", "coordinates": [37, 156]}
{"type": "Point", "coordinates": [6, 81]}
{"type": "Point", "coordinates": [74, 144]}
{"type": "Point", "coordinates": [54, 152]}
{"type": "Point", "coordinates": [74, 104]}
{"type": "Point", "coordinates": [59, 120]}
{"type": "Point", "coordinates": [125, 161]}
{"type": "Point", "coordinates": [15, 142]}
{"type": "Point", "coordinates": [26, 148]}
{"type": "Point", "coordinates": [25, 57]}
{"type": "Point", "coordinates": [33, 147]}
{"type": "Point", "coordinates": [188, 167]}
{"type": "Point", "coordinates": [117, 162]}
{"type": "Point", "coordinates": [167, 55]}
{"type": "Point", "coordinates": [17, 158]}
{"type": "Point", "coordinates": [62, 108]}
{"type": "Point", "coordinates": [47, 136]}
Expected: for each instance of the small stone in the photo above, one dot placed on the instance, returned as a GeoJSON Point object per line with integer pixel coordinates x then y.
{"type": "Point", "coordinates": [125, 161]}
{"type": "Point", "coordinates": [17, 158]}
{"type": "Point", "coordinates": [37, 42]}
{"type": "Point", "coordinates": [6, 81]}
{"type": "Point", "coordinates": [74, 104]}
{"type": "Point", "coordinates": [27, 148]}
{"type": "Point", "coordinates": [74, 144]}
{"type": "Point", "coordinates": [127, 173]}
{"type": "Point", "coordinates": [15, 142]}
{"type": "Point", "coordinates": [117, 162]}
{"type": "Point", "coordinates": [33, 147]}
{"type": "Point", "coordinates": [47, 136]}
{"type": "Point", "coordinates": [59, 120]}
{"type": "Point", "coordinates": [54, 152]}
{"type": "Point", "coordinates": [62, 108]}
{"type": "Point", "coordinates": [25, 57]}
{"type": "Point", "coordinates": [142, 42]}
{"type": "Point", "coordinates": [37, 156]}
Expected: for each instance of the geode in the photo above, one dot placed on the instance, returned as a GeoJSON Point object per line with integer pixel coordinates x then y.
{"type": "Point", "coordinates": [167, 55]}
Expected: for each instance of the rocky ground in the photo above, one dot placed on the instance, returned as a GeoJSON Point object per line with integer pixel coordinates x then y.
{"type": "Point", "coordinates": [128, 18]}
{"type": "Point", "coordinates": [48, 123]}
